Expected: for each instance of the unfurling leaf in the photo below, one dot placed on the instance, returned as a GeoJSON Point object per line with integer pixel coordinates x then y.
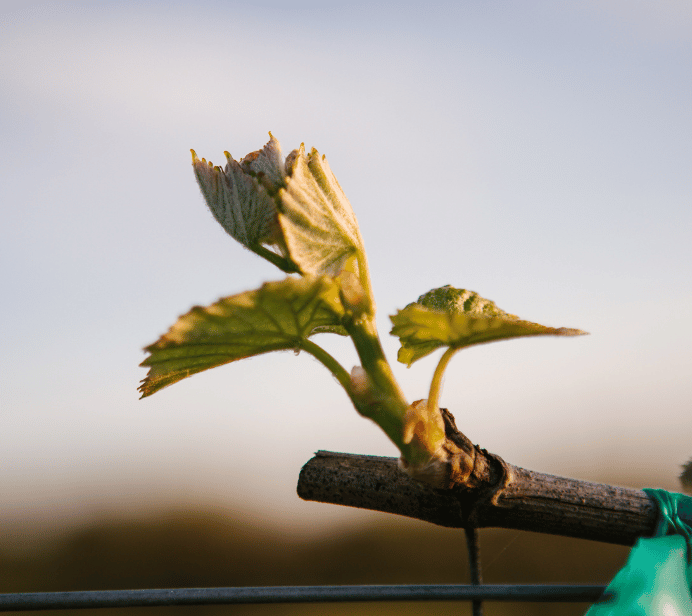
{"type": "Point", "coordinates": [319, 226]}
{"type": "Point", "coordinates": [267, 165]}
{"type": "Point", "coordinates": [686, 477]}
{"type": "Point", "coordinates": [293, 213]}
{"type": "Point", "coordinates": [240, 198]}
{"type": "Point", "coordinates": [457, 318]}
{"type": "Point", "coordinates": [277, 316]}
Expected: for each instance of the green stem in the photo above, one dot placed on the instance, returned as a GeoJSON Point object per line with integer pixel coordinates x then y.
{"type": "Point", "coordinates": [436, 384]}
{"type": "Point", "coordinates": [387, 405]}
{"type": "Point", "coordinates": [387, 413]}
{"type": "Point", "coordinates": [366, 283]}
{"type": "Point", "coordinates": [330, 363]}
{"type": "Point", "coordinates": [384, 402]}
{"type": "Point", "coordinates": [283, 264]}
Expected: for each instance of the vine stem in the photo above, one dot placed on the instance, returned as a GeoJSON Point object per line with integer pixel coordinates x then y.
{"type": "Point", "coordinates": [388, 414]}
{"type": "Point", "coordinates": [522, 499]}
{"type": "Point", "coordinates": [328, 361]}
{"type": "Point", "coordinates": [385, 404]}
{"type": "Point", "coordinates": [436, 384]}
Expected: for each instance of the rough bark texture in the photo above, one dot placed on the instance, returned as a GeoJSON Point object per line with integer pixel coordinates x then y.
{"type": "Point", "coordinates": [481, 490]}
{"type": "Point", "coordinates": [523, 499]}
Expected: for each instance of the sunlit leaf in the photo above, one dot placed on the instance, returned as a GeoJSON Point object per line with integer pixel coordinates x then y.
{"type": "Point", "coordinates": [239, 196]}
{"type": "Point", "coordinates": [319, 226]}
{"type": "Point", "coordinates": [277, 316]}
{"type": "Point", "coordinates": [449, 317]}
{"type": "Point", "coordinates": [293, 213]}
{"type": "Point", "coordinates": [267, 165]}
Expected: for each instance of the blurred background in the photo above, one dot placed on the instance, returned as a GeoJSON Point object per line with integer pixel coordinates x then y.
{"type": "Point", "coordinates": [538, 153]}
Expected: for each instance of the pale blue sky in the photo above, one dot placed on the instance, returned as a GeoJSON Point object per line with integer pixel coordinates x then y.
{"type": "Point", "coordinates": [539, 153]}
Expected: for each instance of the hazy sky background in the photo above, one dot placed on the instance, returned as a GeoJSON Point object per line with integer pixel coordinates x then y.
{"type": "Point", "coordinates": [539, 153]}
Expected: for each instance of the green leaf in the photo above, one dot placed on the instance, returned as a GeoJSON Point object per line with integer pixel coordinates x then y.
{"type": "Point", "coordinates": [319, 226]}
{"type": "Point", "coordinates": [277, 316]}
{"type": "Point", "coordinates": [240, 198]}
{"type": "Point", "coordinates": [449, 317]}
{"type": "Point", "coordinates": [293, 213]}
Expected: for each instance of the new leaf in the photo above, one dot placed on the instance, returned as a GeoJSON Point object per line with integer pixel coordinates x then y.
{"type": "Point", "coordinates": [293, 212]}
{"type": "Point", "coordinates": [277, 316]}
{"type": "Point", "coordinates": [239, 197]}
{"type": "Point", "coordinates": [457, 318]}
{"type": "Point", "coordinates": [319, 226]}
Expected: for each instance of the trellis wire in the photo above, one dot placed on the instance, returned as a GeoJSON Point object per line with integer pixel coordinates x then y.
{"type": "Point", "coordinates": [473, 547]}
{"type": "Point", "coordinates": [297, 594]}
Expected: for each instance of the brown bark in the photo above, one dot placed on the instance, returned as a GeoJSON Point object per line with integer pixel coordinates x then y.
{"type": "Point", "coordinates": [492, 494]}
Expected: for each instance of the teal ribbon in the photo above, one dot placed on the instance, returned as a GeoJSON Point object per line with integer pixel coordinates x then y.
{"type": "Point", "coordinates": [671, 506]}
{"type": "Point", "coordinates": [657, 578]}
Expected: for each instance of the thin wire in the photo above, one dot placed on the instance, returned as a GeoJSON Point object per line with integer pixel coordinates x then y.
{"type": "Point", "coordinates": [473, 548]}
{"type": "Point", "coordinates": [296, 594]}
{"type": "Point", "coordinates": [510, 542]}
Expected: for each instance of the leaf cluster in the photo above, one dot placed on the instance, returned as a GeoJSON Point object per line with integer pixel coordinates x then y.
{"type": "Point", "coordinates": [294, 213]}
